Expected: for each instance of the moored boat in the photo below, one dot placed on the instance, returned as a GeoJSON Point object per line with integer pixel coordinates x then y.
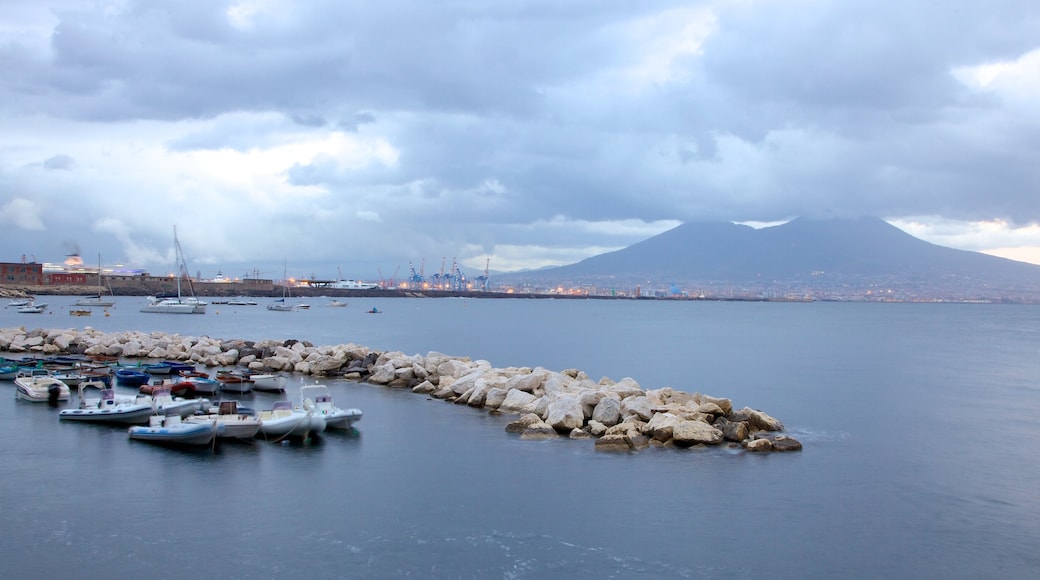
{"type": "Point", "coordinates": [282, 420]}
{"type": "Point", "coordinates": [231, 422]}
{"type": "Point", "coordinates": [319, 398]}
{"type": "Point", "coordinates": [269, 382]}
{"type": "Point", "coordinates": [132, 377]}
{"type": "Point", "coordinates": [40, 386]}
{"type": "Point", "coordinates": [108, 408]}
{"type": "Point", "coordinates": [169, 429]}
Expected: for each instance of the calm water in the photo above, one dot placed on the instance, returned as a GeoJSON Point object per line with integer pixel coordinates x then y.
{"type": "Point", "coordinates": [921, 425]}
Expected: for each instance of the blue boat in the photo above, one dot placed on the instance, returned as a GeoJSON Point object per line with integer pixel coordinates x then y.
{"type": "Point", "coordinates": [170, 430]}
{"type": "Point", "coordinates": [132, 377]}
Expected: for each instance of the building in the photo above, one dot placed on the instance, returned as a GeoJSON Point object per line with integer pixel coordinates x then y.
{"type": "Point", "coordinates": [28, 273]}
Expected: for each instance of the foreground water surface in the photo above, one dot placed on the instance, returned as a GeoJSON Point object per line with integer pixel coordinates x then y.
{"type": "Point", "coordinates": [920, 424]}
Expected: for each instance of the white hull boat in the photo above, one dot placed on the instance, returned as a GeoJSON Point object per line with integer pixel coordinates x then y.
{"type": "Point", "coordinates": [318, 398]}
{"type": "Point", "coordinates": [163, 403]}
{"type": "Point", "coordinates": [180, 304]}
{"type": "Point", "coordinates": [285, 421]}
{"type": "Point", "coordinates": [108, 408]}
{"type": "Point", "coordinates": [231, 424]}
{"type": "Point", "coordinates": [269, 382]}
{"type": "Point", "coordinates": [39, 386]}
{"type": "Point", "coordinates": [170, 429]}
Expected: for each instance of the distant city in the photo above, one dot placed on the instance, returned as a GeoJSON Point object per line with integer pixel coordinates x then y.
{"type": "Point", "coordinates": [821, 286]}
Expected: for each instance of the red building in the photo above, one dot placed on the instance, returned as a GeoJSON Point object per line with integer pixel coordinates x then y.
{"type": "Point", "coordinates": [67, 278]}
{"type": "Point", "coordinates": [30, 273]}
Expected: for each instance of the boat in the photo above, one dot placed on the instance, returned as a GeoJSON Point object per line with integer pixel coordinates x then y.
{"type": "Point", "coordinates": [337, 303]}
{"type": "Point", "coordinates": [241, 302]}
{"type": "Point", "coordinates": [169, 429]}
{"type": "Point", "coordinates": [19, 302]}
{"type": "Point", "coordinates": [107, 408]}
{"type": "Point", "coordinates": [180, 304]}
{"type": "Point", "coordinates": [178, 387]}
{"type": "Point", "coordinates": [163, 402]}
{"type": "Point", "coordinates": [203, 383]}
{"type": "Point", "coordinates": [353, 285]}
{"type": "Point", "coordinates": [70, 377]}
{"type": "Point", "coordinates": [268, 382]}
{"type": "Point", "coordinates": [282, 304]}
{"type": "Point", "coordinates": [319, 398]}
{"type": "Point", "coordinates": [99, 300]}
{"type": "Point", "coordinates": [231, 422]}
{"type": "Point", "coordinates": [234, 381]}
{"type": "Point", "coordinates": [282, 421]}
{"type": "Point", "coordinates": [132, 377]}
{"type": "Point", "coordinates": [9, 370]}
{"type": "Point", "coordinates": [375, 310]}
{"type": "Point", "coordinates": [40, 386]}
{"type": "Point", "coordinates": [33, 308]}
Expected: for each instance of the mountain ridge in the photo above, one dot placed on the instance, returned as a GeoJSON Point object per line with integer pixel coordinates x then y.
{"type": "Point", "coordinates": [851, 253]}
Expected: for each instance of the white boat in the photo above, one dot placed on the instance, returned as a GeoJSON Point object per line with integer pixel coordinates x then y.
{"type": "Point", "coordinates": [231, 423]}
{"type": "Point", "coordinates": [107, 408]}
{"type": "Point", "coordinates": [169, 429]}
{"type": "Point", "coordinates": [241, 302]}
{"type": "Point", "coordinates": [163, 403]}
{"type": "Point", "coordinates": [353, 285]}
{"type": "Point", "coordinates": [20, 302]}
{"type": "Point", "coordinates": [285, 421]}
{"type": "Point", "coordinates": [319, 398]}
{"type": "Point", "coordinates": [40, 386]}
{"type": "Point", "coordinates": [268, 382]}
{"type": "Point", "coordinates": [337, 303]}
{"type": "Point", "coordinates": [282, 304]}
{"type": "Point", "coordinates": [180, 304]}
{"type": "Point", "coordinates": [99, 300]}
{"type": "Point", "coordinates": [33, 308]}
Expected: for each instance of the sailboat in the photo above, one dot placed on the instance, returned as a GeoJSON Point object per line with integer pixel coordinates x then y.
{"type": "Point", "coordinates": [97, 300]}
{"type": "Point", "coordinates": [282, 304]}
{"type": "Point", "coordinates": [180, 304]}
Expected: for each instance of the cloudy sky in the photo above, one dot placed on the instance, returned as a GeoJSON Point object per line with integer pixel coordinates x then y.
{"type": "Point", "coordinates": [346, 137]}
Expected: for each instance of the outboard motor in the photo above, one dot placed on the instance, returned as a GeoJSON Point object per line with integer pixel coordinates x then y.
{"type": "Point", "coordinates": [53, 392]}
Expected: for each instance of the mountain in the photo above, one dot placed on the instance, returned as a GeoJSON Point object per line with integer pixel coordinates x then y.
{"type": "Point", "coordinates": [832, 254]}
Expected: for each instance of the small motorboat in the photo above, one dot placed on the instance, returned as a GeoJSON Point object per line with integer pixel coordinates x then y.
{"type": "Point", "coordinates": [232, 423]}
{"type": "Point", "coordinates": [285, 421]}
{"type": "Point", "coordinates": [163, 403]}
{"type": "Point", "coordinates": [170, 430]}
{"type": "Point", "coordinates": [268, 382]}
{"type": "Point", "coordinates": [76, 312]}
{"type": "Point", "coordinates": [19, 302]}
{"type": "Point", "coordinates": [319, 398]}
{"type": "Point", "coordinates": [337, 303]}
{"type": "Point", "coordinates": [39, 386]}
{"type": "Point", "coordinates": [33, 308]}
{"type": "Point", "coordinates": [108, 408]}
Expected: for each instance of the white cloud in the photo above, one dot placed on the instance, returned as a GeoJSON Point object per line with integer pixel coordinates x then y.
{"type": "Point", "coordinates": [22, 214]}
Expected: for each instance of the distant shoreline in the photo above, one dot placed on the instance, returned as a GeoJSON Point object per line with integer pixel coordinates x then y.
{"type": "Point", "coordinates": [10, 291]}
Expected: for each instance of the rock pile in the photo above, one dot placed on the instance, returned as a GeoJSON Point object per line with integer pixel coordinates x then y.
{"type": "Point", "coordinates": [620, 415]}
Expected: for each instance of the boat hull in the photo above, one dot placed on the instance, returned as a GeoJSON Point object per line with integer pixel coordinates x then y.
{"type": "Point", "coordinates": [269, 383]}
{"type": "Point", "coordinates": [122, 414]}
{"type": "Point", "coordinates": [181, 434]}
{"type": "Point", "coordinates": [290, 424]}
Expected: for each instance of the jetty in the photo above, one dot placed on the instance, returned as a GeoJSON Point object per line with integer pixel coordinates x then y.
{"type": "Point", "coordinates": [620, 416]}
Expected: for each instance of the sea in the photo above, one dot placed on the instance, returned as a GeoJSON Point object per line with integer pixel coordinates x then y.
{"type": "Point", "coordinates": [920, 425]}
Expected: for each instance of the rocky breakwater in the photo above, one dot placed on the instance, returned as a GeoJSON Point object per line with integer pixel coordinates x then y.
{"type": "Point", "coordinates": [619, 415]}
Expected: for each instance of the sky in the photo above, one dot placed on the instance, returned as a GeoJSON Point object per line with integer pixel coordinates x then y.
{"type": "Point", "coordinates": [347, 139]}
